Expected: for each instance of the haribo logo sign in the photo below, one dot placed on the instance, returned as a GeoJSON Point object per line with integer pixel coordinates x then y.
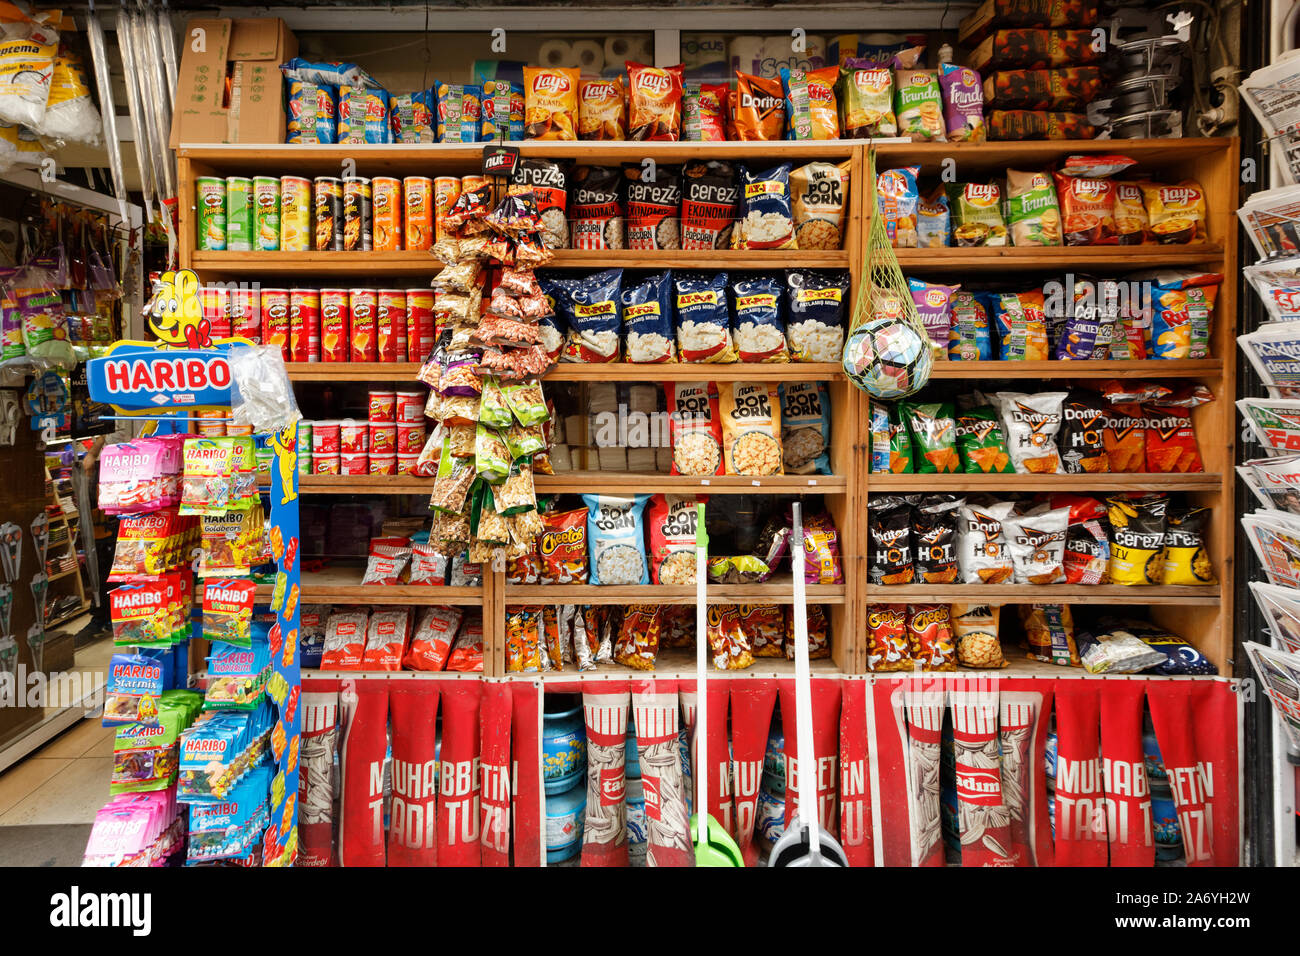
{"type": "Point", "coordinates": [135, 377]}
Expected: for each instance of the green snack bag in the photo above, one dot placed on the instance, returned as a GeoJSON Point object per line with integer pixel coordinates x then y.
{"type": "Point", "coordinates": [934, 432]}
{"type": "Point", "coordinates": [1032, 212]}
{"type": "Point", "coordinates": [976, 210]}
{"type": "Point", "coordinates": [982, 445]}
{"type": "Point", "coordinates": [900, 444]}
{"type": "Point", "coordinates": [492, 409]}
{"type": "Point", "coordinates": [491, 456]}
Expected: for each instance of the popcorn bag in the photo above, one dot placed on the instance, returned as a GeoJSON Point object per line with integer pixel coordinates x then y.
{"type": "Point", "coordinates": [458, 788]}
{"type": "Point", "coordinates": [604, 832]}
{"type": "Point", "coordinates": [413, 814]}
{"type": "Point", "coordinates": [361, 810]}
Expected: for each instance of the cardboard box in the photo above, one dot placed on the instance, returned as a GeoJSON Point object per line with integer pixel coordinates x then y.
{"type": "Point", "coordinates": [248, 53]}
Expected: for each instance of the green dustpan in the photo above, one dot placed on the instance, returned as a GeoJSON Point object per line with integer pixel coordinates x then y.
{"type": "Point", "coordinates": [713, 844]}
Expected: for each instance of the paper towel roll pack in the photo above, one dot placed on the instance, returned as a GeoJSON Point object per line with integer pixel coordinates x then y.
{"type": "Point", "coordinates": [764, 56]}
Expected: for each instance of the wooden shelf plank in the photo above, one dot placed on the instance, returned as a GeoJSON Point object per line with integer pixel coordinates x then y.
{"type": "Point", "coordinates": [342, 585]}
{"type": "Point", "coordinates": [775, 591]}
{"type": "Point", "coordinates": [364, 485]}
{"type": "Point", "coordinates": [680, 663]}
{"type": "Point", "coordinates": [1082, 483]}
{"type": "Point", "coordinates": [1035, 594]}
{"type": "Point", "coordinates": [578, 482]}
{"type": "Point", "coordinates": [1142, 368]}
{"type": "Point", "coordinates": [695, 372]}
{"type": "Point", "coordinates": [354, 372]}
{"type": "Point", "coordinates": [1066, 257]}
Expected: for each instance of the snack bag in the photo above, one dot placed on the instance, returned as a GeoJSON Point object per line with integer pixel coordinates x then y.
{"type": "Point", "coordinates": [751, 427]}
{"type": "Point", "coordinates": [703, 318]}
{"type": "Point", "coordinates": [982, 553]}
{"type": "Point", "coordinates": [672, 520]}
{"type": "Point", "coordinates": [1124, 437]}
{"type": "Point", "coordinates": [638, 637]}
{"type": "Point", "coordinates": [1083, 427]}
{"type": "Point", "coordinates": [763, 626]}
{"type": "Point", "coordinates": [819, 634]}
{"type": "Point", "coordinates": [806, 428]}
{"type": "Point", "coordinates": [710, 193]}
{"type": "Point", "coordinates": [866, 103]}
{"type": "Point", "coordinates": [523, 640]}
{"type": "Point", "coordinates": [888, 647]}
{"type": "Point", "coordinates": [977, 214]}
{"type": "Point", "coordinates": [550, 103]}
{"type": "Point", "coordinates": [918, 105]}
{"type": "Point", "coordinates": [1049, 632]}
{"type": "Point", "coordinates": [704, 108]}
{"type": "Point", "coordinates": [1186, 560]}
{"type": "Point", "coordinates": [981, 442]}
{"type": "Point", "coordinates": [1170, 436]}
{"type": "Point", "coordinates": [889, 527]}
{"type": "Point", "coordinates": [1032, 212]}
{"type": "Point", "coordinates": [810, 108]}
{"type": "Point", "coordinates": [602, 110]}
{"type": "Point", "coordinates": [933, 434]}
{"type": "Point", "coordinates": [655, 102]}
{"type": "Point", "coordinates": [975, 627]}
{"type": "Point", "coordinates": [929, 628]}
{"type": "Point", "coordinates": [1182, 313]}
{"type": "Point", "coordinates": [756, 303]}
{"type": "Point", "coordinates": [1031, 423]}
{"type": "Point", "coordinates": [648, 319]}
{"type": "Point", "coordinates": [758, 112]}
{"type": "Point", "coordinates": [767, 218]}
{"type": "Point", "coordinates": [1176, 213]}
{"type": "Point", "coordinates": [934, 538]}
{"type": "Point", "coordinates": [898, 198]}
{"type": "Point", "coordinates": [696, 427]}
{"type": "Point", "coordinates": [821, 551]}
{"type": "Point", "coordinates": [820, 197]}
{"type": "Point", "coordinates": [933, 307]}
{"type": "Point", "coordinates": [1088, 210]}
{"type": "Point", "coordinates": [963, 104]}
{"type": "Point", "coordinates": [1137, 539]}
{"type": "Point", "coordinates": [900, 443]}
{"type": "Point", "coordinates": [969, 339]}
{"type": "Point", "coordinates": [616, 539]}
{"type": "Point", "coordinates": [728, 646]}
{"type": "Point", "coordinates": [1037, 544]}
{"type": "Point", "coordinates": [1021, 320]}
{"type": "Point", "coordinates": [653, 207]}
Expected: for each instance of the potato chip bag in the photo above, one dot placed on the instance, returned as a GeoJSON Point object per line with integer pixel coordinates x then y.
{"type": "Point", "coordinates": [1037, 544]}
{"type": "Point", "coordinates": [980, 441]}
{"type": "Point", "coordinates": [1032, 212]}
{"type": "Point", "coordinates": [704, 111]}
{"type": "Point", "coordinates": [810, 111]}
{"type": "Point", "coordinates": [1176, 213]}
{"type": "Point", "coordinates": [1083, 426]}
{"type": "Point", "coordinates": [889, 528]}
{"type": "Point", "coordinates": [1137, 538]}
{"type": "Point", "coordinates": [602, 109]}
{"type": "Point", "coordinates": [963, 104]}
{"type": "Point", "coordinates": [759, 109]}
{"type": "Point", "coordinates": [982, 553]}
{"type": "Point", "coordinates": [1131, 220]}
{"type": "Point", "coordinates": [934, 539]}
{"type": "Point", "coordinates": [654, 102]}
{"type": "Point", "coordinates": [888, 646]}
{"type": "Point", "coordinates": [550, 103]}
{"type": "Point", "coordinates": [898, 197]}
{"type": "Point", "coordinates": [1021, 319]}
{"type": "Point", "coordinates": [969, 339]}
{"type": "Point", "coordinates": [1049, 632]}
{"type": "Point", "coordinates": [900, 443]}
{"type": "Point", "coordinates": [977, 214]}
{"type": "Point", "coordinates": [866, 102]}
{"type": "Point", "coordinates": [918, 104]}
{"type": "Point", "coordinates": [1031, 423]}
{"type": "Point", "coordinates": [975, 627]}
{"type": "Point", "coordinates": [1186, 562]}
{"type": "Point", "coordinates": [929, 628]}
{"type": "Point", "coordinates": [932, 220]}
{"type": "Point", "coordinates": [1182, 313]}
{"type": "Point", "coordinates": [1087, 209]}
{"type": "Point", "coordinates": [933, 433]}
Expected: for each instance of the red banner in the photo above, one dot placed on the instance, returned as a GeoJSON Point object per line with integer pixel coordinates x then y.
{"type": "Point", "coordinates": [983, 818]}
{"type": "Point", "coordinates": [604, 834]}
{"type": "Point", "coordinates": [855, 790]}
{"type": "Point", "coordinates": [1080, 798]}
{"type": "Point", "coordinates": [752, 702]}
{"type": "Point", "coordinates": [320, 734]}
{"type": "Point", "coordinates": [1196, 726]}
{"type": "Point", "coordinates": [494, 774]}
{"type": "Point", "coordinates": [826, 750]}
{"type": "Point", "coordinates": [361, 812]}
{"type": "Point", "coordinates": [413, 816]}
{"type": "Point", "coordinates": [655, 710]}
{"type": "Point", "coordinates": [458, 790]}
{"type": "Point", "coordinates": [1123, 775]}
{"type": "Point", "coordinates": [888, 770]}
{"type": "Point", "coordinates": [1025, 707]}
{"type": "Point", "coordinates": [527, 806]}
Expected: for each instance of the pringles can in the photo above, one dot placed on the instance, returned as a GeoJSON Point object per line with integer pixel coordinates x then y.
{"type": "Point", "coordinates": [275, 319]}
{"type": "Point", "coordinates": [391, 325]}
{"type": "Point", "coordinates": [210, 201]}
{"type": "Point", "coordinates": [304, 325]}
{"type": "Point", "coordinates": [245, 309]}
{"type": "Point", "coordinates": [335, 325]}
{"type": "Point", "coordinates": [327, 214]}
{"type": "Point", "coordinates": [266, 213]}
{"type": "Point", "coordinates": [386, 204]}
{"type": "Point", "coordinates": [419, 324]}
{"type": "Point", "coordinates": [363, 305]}
{"type": "Point", "coordinates": [418, 192]}
{"type": "Point", "coordinates": [239, 213]}
{"type": "Point", "coordinates": [295, 214]}
{"type": "Point", "coordinates": [358, 215]}
{"type": "Point", "coordinates": [446, 190]}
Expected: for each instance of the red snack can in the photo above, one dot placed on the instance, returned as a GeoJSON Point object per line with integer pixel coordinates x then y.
{"type": "Point", "coordinates": [410, 408]}
{"type": "Point", "coordinates": [383, 466]}
{"type": "Point", "coordinates": [325, 464]}
{"type": "Point", "coordinates": [216, 311]}
{"type": "Point", "coordinates": [354, 464]}
{"type": "Point", "coordinates": [325, 438]}
{"type": "Point", "coordinates": [211, 428]}
{"type": "Point", "coordinates": [391, 325]}
{"type": "Point", "coordinates": [410, 438]}
{"type": "Point", "coordinates": [383, 439]}
{"type": "Point", "coordinates": [418, 192]}
{"type": "Point", "coordinates": [245, 308]}
{"type": "Point", "coordinates": [363, 305]}
{"type": "Point", "coordinates": [335, 325]}
{"type": "Point", "coordinates": [304, 325]}
{"type": "Point", "coordinates": [354, 437]}
{"type": "Point", "coordinates": [419, 324]}
{"type": "Point", "coordinates": [383, 407]}
{"type": "Point", "coordinates": [406, 463]}
{"type": "Point", "coordinates": [275, 319]}
{"type": "Point", "coordinates": [386, 203]}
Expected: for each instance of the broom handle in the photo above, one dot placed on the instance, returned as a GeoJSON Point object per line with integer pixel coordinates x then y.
{"type": "Point", "coordinates": [701, 676]}
{"type": "Point", "coordinates": [803, 693]}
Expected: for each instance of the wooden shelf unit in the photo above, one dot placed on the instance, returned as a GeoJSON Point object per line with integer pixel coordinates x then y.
{"type": "Point", "coordinates": [1201, 615]}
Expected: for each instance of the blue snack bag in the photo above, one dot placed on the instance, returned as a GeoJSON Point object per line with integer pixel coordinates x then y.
{"type": "Point", "coordinates": [757, 304]}
{"type": "Point", "coordinates": [311, 112]}
{"type": "Point", "coordinates": [969, 337]}
{"type": "Point", "coordinates": [648, 319]}
{"type": "Point", "coordinates": [363, 115]}
{"type": "Point", "coordinates": [135, 683]}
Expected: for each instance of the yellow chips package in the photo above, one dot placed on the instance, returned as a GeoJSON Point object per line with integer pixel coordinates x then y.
{"type": "Point", "coordinates": [1137, 539]}
{"type": "Point", "coordinates": [1186, 562]}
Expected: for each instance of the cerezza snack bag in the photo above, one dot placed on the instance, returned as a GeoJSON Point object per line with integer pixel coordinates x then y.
{"type": "Point", "coordinates": [655, 102]}
{"type": "Point", "coordinates": [653, 207]}
{"type": "Point", "coordinates": [709, 197]}
{"type": "Point", "coordinates": [1137, 539]}
{"type": "Point", "coordinates": [550, 103]}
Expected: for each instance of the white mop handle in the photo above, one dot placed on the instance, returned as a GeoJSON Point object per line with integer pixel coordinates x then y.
{"type": "Point", "coordinates": [701, 697]}
{"type": "Point", "coordinates": [803, 691]}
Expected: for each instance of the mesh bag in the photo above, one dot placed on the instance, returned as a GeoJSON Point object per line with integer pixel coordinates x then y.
{"type": "Point", "coordinates": [887, 353]}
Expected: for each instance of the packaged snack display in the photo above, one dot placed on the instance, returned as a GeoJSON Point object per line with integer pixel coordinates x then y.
{"type": "Point", "coordinates": [889, 647]}
{"type": "Point", "coordinates": [975, 627]}
{"type": "Point", "coordinates": [654, 102]}
{"type": "Point", "coordinates": [929, 628]}
{"type": "Point", "coordinates": [751, 426]}
{"type": "Point", "coordinates": [805, 428]}
{"type": "Point", "coordinates": [696, 426]}
{"type": "Point", "coordinates": [758, 110]}
{"type": "Point", "coordinates": [1049, 632]}
{"type": "Point", "coordinates": [766, 220]}
{"type": "Point", "coordinates": [602, 110]}
{"type": "Point", "coordinates": [866, 102]}
{"type": "Point", "coordinates": [616, 539]}
{"type": "Point", "coordinates": [550, 103]}
{"type": "Point", "coordinates": [918, 104]}
{"type": "Point", "coordinates": [672, 521]}
{"type": "Point", "coordinates": [703, 317]}
{"type": "Point", "coordinates": [820, 196]}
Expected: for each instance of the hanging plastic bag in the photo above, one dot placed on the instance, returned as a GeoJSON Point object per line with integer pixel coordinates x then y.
{"type": "Point", "coordinates": [260, 392]}
{"type": "Point", "coordinates": [27, 47]}
{"type": "Point", "coordinates": [70, 114]}
{"type": "Point", "coordinates": [40, 310]}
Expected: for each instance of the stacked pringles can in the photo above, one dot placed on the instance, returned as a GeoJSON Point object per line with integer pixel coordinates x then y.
{"type": "Point", "coordinates": [389, 442]}
{"type": "Point", "coordinates": [325, 214]}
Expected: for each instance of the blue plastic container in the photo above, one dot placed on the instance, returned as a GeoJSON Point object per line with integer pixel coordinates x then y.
{"type": "Point", "coordinates": [632, 768]}
{"type": "Point", "coordinates": [564, 817]}
{"type": "Point", "coordinates": [564, 749]}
